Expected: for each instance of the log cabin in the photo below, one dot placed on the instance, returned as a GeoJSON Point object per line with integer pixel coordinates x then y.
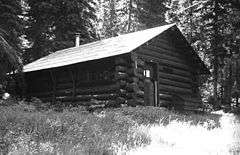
{"type": "Point", "coordinates": [153, 67]}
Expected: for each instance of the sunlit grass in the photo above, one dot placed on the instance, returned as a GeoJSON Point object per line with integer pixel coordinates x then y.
{"type": "Point", "coordinates": [184, 138]}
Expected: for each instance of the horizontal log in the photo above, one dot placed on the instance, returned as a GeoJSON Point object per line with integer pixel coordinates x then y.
{"type": "Point", "coordinates": [169, 63]}
{"type": "Point", "coordinates": [136, 79]}
{"type": "Point", "coordinates": [82, 84]}
{"type": "Point", "coordinates": [87, 97]}
{"type": "Point", "coordinates": [176, 99]}
{"type": "Point", "coordinates": [121, 76]}
{"type": "Point", "coordinates": [171, 70]}
{"type": "Point", "coordinates": [182, 51]}
{"type": "Point", "coordinates": [123, 91]}
{"type": "Point", "coordinates": [39, 80]}
{"type": "Point", "coordinates": [132, 87]}
{"type": "Point", "coordinates": [66, 85]}
{"type": "Point", "coordinates": [135, 102]}
{"type": "Point", "coordinates": [165, 51]}
{"type": "Point", "coordinates": [129, 95]}
{"type": "Point", "coordinates": [174, 83]}
{"type": "Point", "coordinates": [121, 68]}
{"type": "Point", "coordinates": [178, 45]}
{"type": "Point", "coordinates": [121, 61]}
{"type": "Point", "coordinates": [132, 79]}
{"type": "Point", "coordinates": [77, 101]}
{"type": "Point", "coordinates": [98, 89]}
{"type": "Point", "coordinates": [63, 79]}
{"type": "Point", "coordinates": [140, 94]}
{"type": "Point", "coordinates": [120, 100]}
{"type": "Point", "coordinates": [164, 40]}
{"type": "Point", "coordinates": [131, 102]}
{"type": "Point", "coordinates": [164, 96]}
{"type": "Point", "coordinates": [135, 71]}
{"type": "Point", "coordinates": [83, 91]}
{"type": "Point", "coordinates": [122, 83]}
{"type": "Point", "coordinates": [105, 96]}
{"type": "Point", "coordinates": [92, 83]}
{"type": "Point", "coordinates": [67, 92]}
{"type": "Point", "coordinates": [159, 54]}
{"type": "Point", "coordinates": [164, 103]}
{"type": "Point", "coordinates": [140, 76]}
{"type": "Point", "coordinates": [173, 89]}
{"type": "Point", "coordinates": [139, 100]}
{"type": "Point", "coordinates": [167, 46]}
{"type": "Point", "coordinates": [137, 94]}
{"type": "Point", "coordinates": [192, 100]}
{"type": "Point", "coordinates": [175, 77]}
{"type": "Point", "coordinates": [41, 94]}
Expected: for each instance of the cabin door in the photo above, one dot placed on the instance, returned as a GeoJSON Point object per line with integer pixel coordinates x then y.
{"type": "Point", "coordinates": [150, 84]}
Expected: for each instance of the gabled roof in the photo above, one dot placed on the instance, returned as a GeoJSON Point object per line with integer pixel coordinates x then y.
{"type": "Point", "coordinates": [100, 49]}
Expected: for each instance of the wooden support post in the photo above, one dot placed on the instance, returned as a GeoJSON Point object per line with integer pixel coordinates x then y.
{"type": "Point", "coordinates": [53, 86]}
{"type": "Point", "coordinates": [157, 85]}
{"type": "Point", "coordinates": [73, 78]}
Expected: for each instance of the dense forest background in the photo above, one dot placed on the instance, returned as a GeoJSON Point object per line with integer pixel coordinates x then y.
{"type": "Point", "coordinates": [31, 29]}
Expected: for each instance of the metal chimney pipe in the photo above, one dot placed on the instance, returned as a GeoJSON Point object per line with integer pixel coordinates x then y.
{"type": "Point", "coordinates": [77, 41]}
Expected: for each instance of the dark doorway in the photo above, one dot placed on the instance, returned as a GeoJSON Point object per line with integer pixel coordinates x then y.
{"type": "Point", "coordinates": [150, 84]}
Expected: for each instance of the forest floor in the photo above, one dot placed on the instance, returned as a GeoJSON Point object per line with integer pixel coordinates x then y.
{"type": "Point", "coordinates": [29, 129]}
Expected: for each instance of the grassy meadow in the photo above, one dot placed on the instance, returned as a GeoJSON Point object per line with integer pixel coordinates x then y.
{"type": "Point", "coordinates": [34, 129]}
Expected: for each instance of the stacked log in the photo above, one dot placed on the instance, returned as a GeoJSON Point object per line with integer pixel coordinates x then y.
{"type": "Point", "coordinates": [121, 76]}
{"type": "Point", "coordinates": [64, 85]}
{"type": "Point", "coordinates": [135, 86]}
{"type": "Point", "coordinates": [174, 72]}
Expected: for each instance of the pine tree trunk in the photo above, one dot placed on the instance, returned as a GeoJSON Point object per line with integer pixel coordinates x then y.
{"type": "Point", "coordinates": [130, 16]}
{"type": "Point", "coordinates": [214, 47]}
{"type": "Point", "coordinates": [190, 21]}
{"type": "Point", "coordinates": [112, 17]}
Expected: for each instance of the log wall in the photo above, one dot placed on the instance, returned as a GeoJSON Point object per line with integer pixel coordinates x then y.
{"type": "Point", "coordinates": [101, 82]}
{"type": "Point", "coordinates": [120, 79]}
{"type": "Point", "coordinates": [177, 75]}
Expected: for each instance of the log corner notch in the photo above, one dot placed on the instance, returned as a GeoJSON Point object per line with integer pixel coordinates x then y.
{"type": "Point", "coordinates": [122, 65]}
{"type": "Point", "coordinates": [135, 81]}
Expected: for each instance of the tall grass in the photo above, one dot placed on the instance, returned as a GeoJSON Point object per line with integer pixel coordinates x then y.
{"type": "Point", "coordinates": [25, 129]}
{"type": "Point", "coordinates": [68, 132]}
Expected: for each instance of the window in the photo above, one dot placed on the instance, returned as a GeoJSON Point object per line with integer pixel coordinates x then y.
{"type": "Point", "coordinates": [147, 73]}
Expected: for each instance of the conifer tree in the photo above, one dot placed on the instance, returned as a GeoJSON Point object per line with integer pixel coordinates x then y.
{"type": "Point", "coordinates": [210, 31]}
{"type": "Point", "coordinates": [11, 26]}
{"type": "Point", "coordinates": [53, 24]}
{"type": "Point", "coordinates": [124, 16]}
{"type": "Point", "coordinates": [151, 13]}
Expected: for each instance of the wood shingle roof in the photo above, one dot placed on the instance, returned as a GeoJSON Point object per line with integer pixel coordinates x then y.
{"type": "Point", "coordinates": [96, 50]}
